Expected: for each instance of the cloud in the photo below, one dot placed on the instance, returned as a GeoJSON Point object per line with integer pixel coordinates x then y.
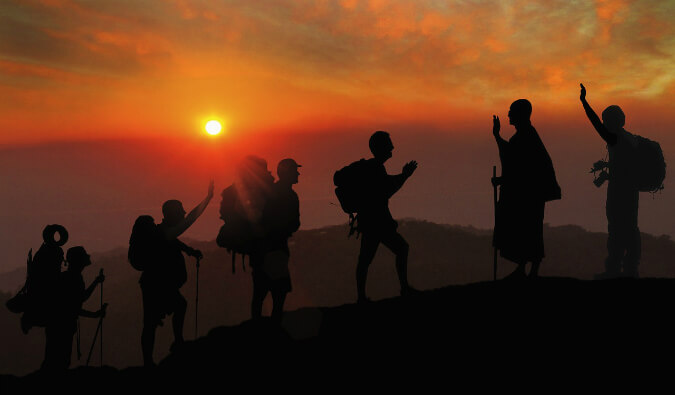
{"type": "Point", "coordinates": [356, 56]}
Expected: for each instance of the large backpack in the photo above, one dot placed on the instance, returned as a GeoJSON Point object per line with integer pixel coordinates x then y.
{"type": "Point", "coordinates": [238, 235]}
{"type": "Point", "coordinates": [351, 187]}
{"type": "Point", "coordinates": [39, 295]}
{"type": "Point", "coordinates": [651, 165]}
{"type": "Point", "coordinates": [144, 243]}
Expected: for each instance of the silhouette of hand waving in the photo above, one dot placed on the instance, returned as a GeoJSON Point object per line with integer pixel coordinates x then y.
{"type": "Point", "coordinates": [409, 168]}
{"type": "Point", "coordinates": [496, 126]}
{"type": "Point", "coordinates": [211, 186]}
{"type": "Point", "coordinates": [582, 94]}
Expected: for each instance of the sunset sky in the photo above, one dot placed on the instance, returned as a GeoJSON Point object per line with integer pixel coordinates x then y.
{"type": "Point", "coordinates": [110, 69]}
{"type": "Point", "coordinates": [312, 80]}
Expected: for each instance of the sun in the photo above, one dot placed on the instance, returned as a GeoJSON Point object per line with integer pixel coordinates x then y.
{"type": "Point", "coordinates": [213, 127]}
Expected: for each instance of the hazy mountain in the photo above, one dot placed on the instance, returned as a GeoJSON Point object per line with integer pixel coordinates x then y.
{"type": "Point", "coordinates": [323, 263]}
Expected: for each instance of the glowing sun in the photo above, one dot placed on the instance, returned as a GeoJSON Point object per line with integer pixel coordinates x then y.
{"type": "Point", "coordinates": [213, 127]}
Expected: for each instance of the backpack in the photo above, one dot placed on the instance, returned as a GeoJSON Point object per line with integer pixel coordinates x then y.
{"type": "Point", "coordinates": [143, 243]}
{"type": "Point", "coordinates": [238, 234]}
{"type": "Point", "coordinates": [351, 185]}
{"type": "Point", "coordinates": [651, 165]}
{"type": "Point", "coordinates": [37, 299]}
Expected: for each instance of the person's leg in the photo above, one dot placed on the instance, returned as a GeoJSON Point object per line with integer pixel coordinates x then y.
{"type": "Point", "coordinates": [369, 245]}
{"type": "Point", "coordinates": [178, 319]}
{"type": "Point", "coordinates": [260, 290]}
{"type": "Point", "coordinates": [150, 322]}
{"type": "Point", "coordinates": [534, 271]}
{"type": "Point", "coordinates": [278, 299]}
{"type": "Point", "coordinates": [148, 342]}
{"type": "Point", "coordinates": [615, 244]}
{"type": "Point", "coordinates": [633, 242]}
{"type": "Point", "coordinates": [397, 244]}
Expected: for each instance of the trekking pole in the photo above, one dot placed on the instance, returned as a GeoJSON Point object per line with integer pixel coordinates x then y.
{"type": "Point", "coordinates": [99, 328]}
{"type": "Point", "coordinates": [93, 342]}
{"type": "Point", "coordinates": [101, 321]}
{"type": "Point", "coordinates": [494, 262]}
{"type": "Point", "coordinates": [197, 302]}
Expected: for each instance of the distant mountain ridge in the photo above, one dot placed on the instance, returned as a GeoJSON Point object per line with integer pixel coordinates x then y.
{"type": "Point", "coordinates": [322, 267]}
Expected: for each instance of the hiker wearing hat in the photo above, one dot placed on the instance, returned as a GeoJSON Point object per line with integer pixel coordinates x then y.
{"type": "Point", "coordinates": [281, 218]}
{"type": "Point", "coordinates": [71, 294]}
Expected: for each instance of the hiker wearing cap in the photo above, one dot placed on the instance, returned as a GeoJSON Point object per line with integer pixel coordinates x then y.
{"type": "Point", "coordinates": [71, 294]}
{"type": "Point", "coordinates": [162, 279]}
{"type": "Point", "coordinates": [281, 218]}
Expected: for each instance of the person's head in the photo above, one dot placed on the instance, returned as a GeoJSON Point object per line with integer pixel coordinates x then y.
{"type": "Point", "coordinates": [253, 172]}
{"type": "Point", "coordinates": [520, 112]}
{"type": "Point", "coordinates": [380, 145]}
{"type": "Point", "coordinates": [287, 171]}
{"type": "Point", "coordinates": [173, 212]}
{"type": "Point", "coordinates": [613, 118]}
{"type": "Point", "coordinates": [77, 258]}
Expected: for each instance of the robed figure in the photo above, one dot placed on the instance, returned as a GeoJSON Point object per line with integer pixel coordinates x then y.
{"type": "Point", "coordinates": [528, 181]}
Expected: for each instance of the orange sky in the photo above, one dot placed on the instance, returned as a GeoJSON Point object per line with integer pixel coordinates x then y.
{"type": "Point", "coordinates": [88, 70]}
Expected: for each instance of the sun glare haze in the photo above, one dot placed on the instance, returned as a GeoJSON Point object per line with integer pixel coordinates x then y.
{"type": "Point", "coordinates": [213, 127]}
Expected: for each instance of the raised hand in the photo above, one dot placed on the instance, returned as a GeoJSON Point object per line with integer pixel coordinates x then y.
{"type": "Point", "coordinates": [100, 278]}
{"type": "Point", "coordinates": [582, 94]}
{"type": "Point", "coordinates": [211, 186]}
{"type": "Point", "coordinates": [496, 126]}
{"type": "Point", "coordinates": [409, 168]}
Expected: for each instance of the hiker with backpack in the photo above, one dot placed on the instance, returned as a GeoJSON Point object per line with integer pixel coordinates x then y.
{"type": "Point", "coordinates": [156, 250]}
{"type": "Point", "coordinates": [364, 189]}
{"type": "Point", "coordinates": [635, 164]}
{"type": "Point", "coordinates": [527, 182]}
{"type": "Point", "coordinates": [242, 209]}
{"type": "Point", "coordinates": [281, 218]}
{"type": "Point", "coordinates": [70, 294]}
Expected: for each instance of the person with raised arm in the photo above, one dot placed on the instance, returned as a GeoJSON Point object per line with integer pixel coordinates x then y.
{"type": "Point", "coordinates": [528, 181]}
{"type": "Point", "coordinates": [623, 242]}
{"type": "Point", "coordinates": [162, 279]}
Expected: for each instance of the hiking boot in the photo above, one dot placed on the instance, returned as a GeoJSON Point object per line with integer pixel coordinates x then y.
{"type": "Point", "coordinates": [363, 300]}
{"type": "Point", "coordinates": [607, 275]}
{"type": "Point", "coordinates": [409, 291]}
{"type": "Point", "coordinates": [176, 346]}
{"type": "Point", "coordinates": [516, 275]}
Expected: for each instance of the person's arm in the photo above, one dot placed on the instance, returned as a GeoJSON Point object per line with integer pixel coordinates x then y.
{"type": "Point", "coordinates": [502, 145]}
{"type": "Point", "coordinates": [177, 230]}
{"type": "Point", "coordinates": [606, 135]}
{"type": "Point", "coordinates": [294, 224]}
{"type": "Point", "coordinates": [189, 250]}
{"type": "Point", "coordinates": [98, 280]}
{"type": "Point", "coordinates": [395, 182]}
{"type": "Point", "coordinates": [94, 314]}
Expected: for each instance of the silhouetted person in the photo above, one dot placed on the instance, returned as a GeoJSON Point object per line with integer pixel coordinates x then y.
{"type": "Point", "coordinates": [70, 296]}
{"type": "Point", "coordinates": [248, 198]}
{"type": "Point", "coordinates": [161, 281]}
{"type": "Point", "coordinates": [281, 218]}
{"type": "Point", "coordinates": [375, 222]}
{"type": "Point", "coordinates": [623, 243]}
{"type": "Point", "coordinates": [528, 181]}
